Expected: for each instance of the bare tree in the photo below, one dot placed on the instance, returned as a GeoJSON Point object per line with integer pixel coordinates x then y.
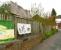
{"type": "Point", "coordinates": [37, 9]}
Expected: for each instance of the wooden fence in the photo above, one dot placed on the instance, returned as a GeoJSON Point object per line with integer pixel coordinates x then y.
{"type": "Point", "coordinates": [35, 26]}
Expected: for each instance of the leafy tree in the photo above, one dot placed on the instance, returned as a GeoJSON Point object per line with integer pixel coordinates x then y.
{"type": "Point", "coordinates": [52, 18]}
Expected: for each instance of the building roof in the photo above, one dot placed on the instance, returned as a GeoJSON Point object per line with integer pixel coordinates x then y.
{"type": "Point", "coordinates": [18, 10]}
{"type": "Point", "coordinates": [59, 16]}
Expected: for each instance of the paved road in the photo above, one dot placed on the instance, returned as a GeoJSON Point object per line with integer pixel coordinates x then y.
{"type": "Point", "coordinates": [53, 43]}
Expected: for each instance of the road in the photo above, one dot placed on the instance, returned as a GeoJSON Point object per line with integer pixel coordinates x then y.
{"type": "Point", "coordinates": [52, 43]}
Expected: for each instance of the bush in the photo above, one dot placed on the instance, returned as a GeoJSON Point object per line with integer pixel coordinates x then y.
{"type": "Point", "coordinates": [49, 33]}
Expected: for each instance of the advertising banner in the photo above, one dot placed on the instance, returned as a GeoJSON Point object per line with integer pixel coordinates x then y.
{"type": "Point", "coordinates": [6, 30]}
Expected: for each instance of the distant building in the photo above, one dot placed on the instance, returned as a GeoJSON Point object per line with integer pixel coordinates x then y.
{"type": "Point", "coordinates": [58, 22]}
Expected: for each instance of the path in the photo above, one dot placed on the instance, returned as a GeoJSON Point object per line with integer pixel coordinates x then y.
{"type": "Point", "coordinates": [53, 43]}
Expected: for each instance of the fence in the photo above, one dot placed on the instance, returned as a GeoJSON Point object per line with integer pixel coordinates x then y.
{"type": "Point", "coordinates": [35, 26]}
{"type": "Point", "coordinates": [28, 44]}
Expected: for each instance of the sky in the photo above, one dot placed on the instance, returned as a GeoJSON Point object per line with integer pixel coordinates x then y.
{"type": "Point", "coordinates": [46, 4]}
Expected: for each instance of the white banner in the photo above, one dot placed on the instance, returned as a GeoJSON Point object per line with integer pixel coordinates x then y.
{"type": "Point", "coordinates": [24, 28]}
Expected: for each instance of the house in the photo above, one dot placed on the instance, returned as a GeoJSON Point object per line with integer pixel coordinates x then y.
{"type": "Point", "coordinates": [18, 10]}
{"type": "Point", "coordinates": [21, 15]}
{"type": "Point", "coordinates": [58, 22]}
{"type": "Point", "coordinates": [24, 16]}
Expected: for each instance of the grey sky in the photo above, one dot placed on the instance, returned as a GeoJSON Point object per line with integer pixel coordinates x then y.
{"type": "Point", "coordinates": [46, 4]}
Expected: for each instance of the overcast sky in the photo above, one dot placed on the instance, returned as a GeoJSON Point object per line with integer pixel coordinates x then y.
{"type": "Point", "coordinates": [46, 4]}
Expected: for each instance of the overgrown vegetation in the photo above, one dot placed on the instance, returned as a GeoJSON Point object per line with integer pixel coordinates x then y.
{"type": "Point", "coordinates": [47, 22]}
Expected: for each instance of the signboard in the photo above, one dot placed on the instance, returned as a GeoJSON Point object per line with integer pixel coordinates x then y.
{"type": "Point", "coordinates": [24, 28]}
{"type": "Point", "coordinates": [6, 30]}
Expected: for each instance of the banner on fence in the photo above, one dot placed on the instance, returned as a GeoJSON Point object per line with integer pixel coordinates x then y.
{"type": "Point", "coordinates": [23, 28]}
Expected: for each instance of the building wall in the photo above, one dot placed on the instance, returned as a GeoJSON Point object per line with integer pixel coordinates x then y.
{"type": "Point", "coordinates": [3, 17]}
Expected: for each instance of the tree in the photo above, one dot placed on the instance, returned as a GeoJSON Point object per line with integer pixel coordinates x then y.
{"type": "Point", "coordinates": [37, 9]}
{"type": "Point", "coordinates": [53, 13]}
{"type": "Point", "coordinates": [5, 10]}
{"type": "Point", "coordinates": [53, 16]}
